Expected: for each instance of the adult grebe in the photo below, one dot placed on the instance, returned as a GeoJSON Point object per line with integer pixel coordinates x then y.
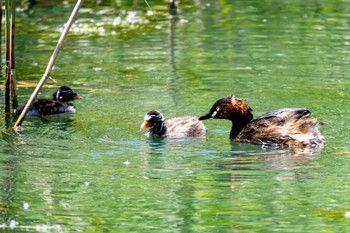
{"type": "Point", "coordinates": [292, 127]}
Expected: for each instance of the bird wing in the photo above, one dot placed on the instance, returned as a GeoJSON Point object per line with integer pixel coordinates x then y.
{"type": "Point", "coordinates": [289, 126]}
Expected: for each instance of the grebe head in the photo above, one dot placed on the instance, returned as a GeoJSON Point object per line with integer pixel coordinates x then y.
{"type": "Point", "coordinates": [230, 108]}
{"type": "Point", "coordinates": [152, 118]}
{"type": "Point", "coordinates": [65, 94]}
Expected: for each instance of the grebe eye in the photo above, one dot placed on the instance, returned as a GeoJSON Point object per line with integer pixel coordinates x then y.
{"type": "Point", "coordinates": [217, 109]}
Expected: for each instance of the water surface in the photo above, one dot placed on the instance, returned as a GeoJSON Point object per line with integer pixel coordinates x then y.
{"type": "Point", "coordinates": [94, 171]}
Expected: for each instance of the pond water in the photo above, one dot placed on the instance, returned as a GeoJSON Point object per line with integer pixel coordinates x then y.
{"type": "Point", "coordinates": [95, 171]}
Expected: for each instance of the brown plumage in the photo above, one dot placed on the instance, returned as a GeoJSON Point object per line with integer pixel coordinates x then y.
{"type": "Point", "coordinates": [292, 127]}
{"type": "Point", "coordinates": [186, 126]}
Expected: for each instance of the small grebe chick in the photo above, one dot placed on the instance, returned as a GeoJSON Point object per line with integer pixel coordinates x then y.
{"type": "Point", "coordinates": [186, 126]}
{"type": "Point", "coordinates": [58, 103]}
{"type": "Point", "coordinates": [292, 127]}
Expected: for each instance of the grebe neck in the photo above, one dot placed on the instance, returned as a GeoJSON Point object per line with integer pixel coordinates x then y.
{"type": "Point", "coordinates": [238, 124]}
{"type": "Point", "coordinates": [158, 129]}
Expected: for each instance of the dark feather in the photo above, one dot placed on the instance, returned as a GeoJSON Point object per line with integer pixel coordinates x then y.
{"type": "Point", "coordinates": [58, 103]}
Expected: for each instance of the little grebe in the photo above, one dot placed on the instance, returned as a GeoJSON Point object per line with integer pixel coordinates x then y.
{"type": "Point", "coordinates": [187, 126]}
{"type": "Point", "coordinates": [58, 103]}
{"type": "Point", "coordinates": [292, 127]}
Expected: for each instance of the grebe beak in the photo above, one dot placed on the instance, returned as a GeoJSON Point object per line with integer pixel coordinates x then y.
{"type": "Point", "coordinates": [77, 96]}
{"type": "Point", "coordinates": [206, 116]}
{"type": "Point", "coordinates": [145, 124]}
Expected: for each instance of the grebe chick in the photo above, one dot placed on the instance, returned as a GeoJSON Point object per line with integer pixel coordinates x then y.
{"type": "Point", "coordinates": [186, 126]}
{"type": "Point", "coordinates": [293, 127]}
{"type": "Point", "coordinates": [58, 103]}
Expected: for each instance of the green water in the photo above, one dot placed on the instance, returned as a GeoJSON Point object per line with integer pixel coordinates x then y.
{"type": "Point", "coordinates": [94, 171]}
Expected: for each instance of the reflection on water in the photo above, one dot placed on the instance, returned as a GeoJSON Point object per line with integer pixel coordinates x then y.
{"type": "Point", "coordinates": [94, 170]}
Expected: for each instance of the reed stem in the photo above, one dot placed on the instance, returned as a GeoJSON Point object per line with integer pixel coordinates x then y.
{"type": "Point", "coordinates": [10, 73]}
{"type": "Point", "coordinates": [12, 56]}
{"type": "Point", "coordinates": [7, 57]}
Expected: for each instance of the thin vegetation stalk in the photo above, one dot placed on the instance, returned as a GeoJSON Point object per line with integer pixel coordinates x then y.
{"type": "Point", "coordinates": [7, 57]}
{"type": "Point", "coordinates": [49, 65]}
{"type": "Point", "coordinates": [10, 82]}
{"type": "Point", "coordinates": [172, 7]}
{"type": "Point", "coordinates": [12, 56]}
{"type": "Point", "coordinates": [0, 29]}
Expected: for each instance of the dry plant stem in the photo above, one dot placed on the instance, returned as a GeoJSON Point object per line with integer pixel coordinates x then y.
{"type": "Point", "coordinates": [49, 65]}
{"type": "Point", "coordinates": [0, 27]}
{"type": "Point", "coordinates": [12, 57]}
{"type": "Point", "coordinates": [13, 89]}
{"type": "Point", "coordinates": [7, 57]}
{"type": "Point", "coordinates": [10, 83]}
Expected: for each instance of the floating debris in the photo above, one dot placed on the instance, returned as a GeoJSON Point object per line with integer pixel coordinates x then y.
{"type": "Point", "coordinates": [86, 183]}
{"type": "Point", "coordinates": [347, 214]}
{"type": "Point", "coordinates": [25, 205]}
{"type": "Point", "coordinates": [46, 228]}
{"type": "Point", "coordinates": [183, 21]}
{"type": "Point", "coordinates": [97, 69]}
{"type": "Point", "coordinates": [40, 228]}
{"type": "Point", "coordinates": [13, 224]}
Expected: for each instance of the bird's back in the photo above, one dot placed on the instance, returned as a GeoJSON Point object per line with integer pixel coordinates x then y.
{"type": "Point", "coordinates": [288, 126]}
{"type": "Point", "coordinates": [43, 107]}
{"type": "Point", "coordinates": [187, 126]}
